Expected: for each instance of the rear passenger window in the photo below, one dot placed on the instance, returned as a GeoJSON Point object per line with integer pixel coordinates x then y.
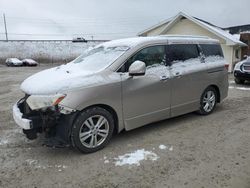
{"type": "Point", "coordinates": [181, 52]}
{"type": "Point", "coordinates": [212, 50]}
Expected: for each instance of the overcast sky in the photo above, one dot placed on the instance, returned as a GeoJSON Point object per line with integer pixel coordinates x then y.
{"type": "Point", "coordinates": [109, 19]}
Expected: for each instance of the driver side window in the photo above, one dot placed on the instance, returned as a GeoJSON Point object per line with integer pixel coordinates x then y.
{"type": "Point", "coordinates": [151, 56]}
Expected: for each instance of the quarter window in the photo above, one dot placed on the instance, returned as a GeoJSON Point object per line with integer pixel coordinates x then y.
{"type": "Point", "coordinates": [181, 52]}
{"type": "Point", "coordinates": [212, 50]}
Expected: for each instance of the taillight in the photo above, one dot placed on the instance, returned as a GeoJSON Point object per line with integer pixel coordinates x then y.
{"type": "Point", "coordinates": [227, 66]}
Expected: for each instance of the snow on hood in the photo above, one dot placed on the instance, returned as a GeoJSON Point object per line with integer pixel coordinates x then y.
{"type": "Point", "coordinates": [59, 79]}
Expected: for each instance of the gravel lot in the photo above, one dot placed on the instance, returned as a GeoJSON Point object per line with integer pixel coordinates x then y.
{"type": "Point", "coordinates": [188, 151]}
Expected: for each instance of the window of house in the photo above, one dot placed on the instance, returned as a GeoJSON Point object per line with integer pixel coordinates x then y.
{"type": "Point", "coordinates": [237, 54]}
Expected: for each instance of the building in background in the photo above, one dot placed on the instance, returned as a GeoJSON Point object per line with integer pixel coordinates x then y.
{"type": "Point", "coordinates": [245, 37]}
{"type": "Point", "coordinates": [183, 24]}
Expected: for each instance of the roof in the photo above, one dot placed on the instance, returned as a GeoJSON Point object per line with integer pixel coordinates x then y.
{"type": "Point", "coordinates": [230, 39]}
{"type": "Point", "coordinates": [131, 42]}
{"type": "Point", "coordinates": [238, 29]}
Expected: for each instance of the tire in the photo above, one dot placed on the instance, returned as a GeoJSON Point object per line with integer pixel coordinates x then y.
{"type": "Point", "coordinates": [208, 101]}
{"type": "Point", "coordinates": [239, 81]}
{"type": "Point", "coordinates": [95, 126]}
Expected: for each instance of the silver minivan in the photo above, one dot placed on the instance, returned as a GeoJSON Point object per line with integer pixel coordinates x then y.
{"type": "Point", "coordinates": [121, 85]}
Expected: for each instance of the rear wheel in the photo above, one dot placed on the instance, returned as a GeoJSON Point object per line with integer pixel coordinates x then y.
{"type": "Point", "coordinates": [92, 130]}
{"type": "Point", "coordinates": [208, 101]}
{"type": "Point", "coordinates": [239, 81]}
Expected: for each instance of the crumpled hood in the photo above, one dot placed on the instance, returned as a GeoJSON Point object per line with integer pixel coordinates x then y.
{"type": "Point", "coordinates": [59, 80]}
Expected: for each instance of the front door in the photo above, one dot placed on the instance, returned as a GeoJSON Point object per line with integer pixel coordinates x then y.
{"type": "Point", "coordinates": [146, 98]}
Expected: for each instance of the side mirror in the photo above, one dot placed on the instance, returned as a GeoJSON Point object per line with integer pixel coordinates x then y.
{"type": "Point", "coordinates": [245, 56]}
{"type": "Point", "coordinates": [138, 68]}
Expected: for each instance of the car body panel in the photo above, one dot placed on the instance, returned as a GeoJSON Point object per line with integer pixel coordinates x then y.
{"type": "Point", "coordinates": [107, 92]}
{"type": "Point", "coordinates": [186, 75]}
{"type": "Point", "coordinates": [146, 98]}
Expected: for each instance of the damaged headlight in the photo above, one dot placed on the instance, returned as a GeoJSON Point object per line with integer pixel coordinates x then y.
{"type": "Point", "coordinates": [42, 101]}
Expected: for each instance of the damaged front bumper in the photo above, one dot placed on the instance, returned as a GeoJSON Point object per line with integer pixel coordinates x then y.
{"type": "Point", "coordinates": [24, 123]}
{"type": "Point", "coordinates": [50, 121]}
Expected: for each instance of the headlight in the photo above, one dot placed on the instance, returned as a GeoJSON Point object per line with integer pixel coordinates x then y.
{"type": "Point", "coordinates": [237, 66]}
{"type": "Point", "coordinates": [41, 101]}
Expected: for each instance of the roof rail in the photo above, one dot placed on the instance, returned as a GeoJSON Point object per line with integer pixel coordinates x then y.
{"type": "Point", "coordinates": [185, 36]}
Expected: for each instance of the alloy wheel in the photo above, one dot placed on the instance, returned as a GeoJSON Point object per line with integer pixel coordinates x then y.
{"type": "Point", "coordinates": [94, 131]}
{"type": "Point", "coordinates": [209, 101]}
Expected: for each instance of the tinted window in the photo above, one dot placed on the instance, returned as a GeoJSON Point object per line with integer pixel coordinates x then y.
{"type": "Point", "coordinates": [150, 56]}
{"type": "Point", "coordinates": [212, 50]}
{"type": "Point", "coordinates": [181, 52]}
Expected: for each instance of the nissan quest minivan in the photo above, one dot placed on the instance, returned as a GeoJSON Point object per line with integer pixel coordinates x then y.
{"type": "Point", "coordinates": [121, 85]}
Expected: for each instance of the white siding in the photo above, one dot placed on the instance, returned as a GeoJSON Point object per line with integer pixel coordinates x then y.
{"type": "Point", "coordinates": [155, 31]}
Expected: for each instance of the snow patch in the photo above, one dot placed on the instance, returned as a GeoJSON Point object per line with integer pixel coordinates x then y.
{"type": "Point", "coordinates": [10, 136]}
{"type": "Point", "coordinates": [162, 147]}
{"type": "Point", "coordinates": [135, 157]}
{"type": "Point", "coordinates": [31, 161]}
{"type": "Point", "coordinates": [34, 163]}
{"type": "Point", "coordinates": [171, 148]}
{"type": "Point", "coordinates": [240, 88]}
{"type": "Point", "coordinates": [3, 141]}
{"type": "Point", "coordinates": [106, 161]}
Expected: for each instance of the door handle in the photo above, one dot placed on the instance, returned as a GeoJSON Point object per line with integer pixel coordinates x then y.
{"type": "Point", "coordinates": [164, 78]}
{"type": "Point", "coordinates": [177, 75]}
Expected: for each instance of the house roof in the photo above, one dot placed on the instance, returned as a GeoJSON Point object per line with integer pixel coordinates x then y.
{"type": "Point", "coordinates": [155, 26]}
{"type": "Point", "coordinates": [238, 29]}
{"type": "Point", "coordinates": [230, 39]}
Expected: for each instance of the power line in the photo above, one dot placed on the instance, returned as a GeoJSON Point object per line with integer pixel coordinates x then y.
{"type": "Point", "coordinates": [5, 26]}
{"type": "Point", "coordinates": [67, 24]}
{"type": "Point", "coordinates": [80, 24]}
{"type": "Point", "coordinates": [80, 19]}
{"type": "Point", "coordinates": [61, 34]}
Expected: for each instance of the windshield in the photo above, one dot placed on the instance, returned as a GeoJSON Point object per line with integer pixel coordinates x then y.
{"type": "Point", "coordinates": [101, 57]}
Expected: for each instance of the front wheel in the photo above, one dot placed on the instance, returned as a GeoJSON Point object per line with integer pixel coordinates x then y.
{"type": "Point", "coordinates": [208, 101]}
{"type": "Point", "coordinates": [239, 81]}
{"type": "Point", "coordinates": [92, 130]}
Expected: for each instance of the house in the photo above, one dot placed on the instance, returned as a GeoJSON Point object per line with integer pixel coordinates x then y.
{"type": "Point", "coordinates": [183, 24]}
{"type": "Point", "coordinates": [245, 37]}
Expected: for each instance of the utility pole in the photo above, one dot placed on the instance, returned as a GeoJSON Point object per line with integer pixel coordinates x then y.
{"type": "Point", "coordinates": [6, 32]}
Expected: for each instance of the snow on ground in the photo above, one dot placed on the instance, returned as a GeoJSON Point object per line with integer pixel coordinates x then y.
{"type": "Point", "coordinates": [35, 163]}
{"type": "Point", "coordinates": [13, 136]}
{"type": "Point", "coordinates": [3, 141]}
{"type": "Point", "coordinates": [162, 147]}
{"type": "Point", "coordinates": [135, 157]}
{"type": "Point", "coordinates": [240, 88]}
